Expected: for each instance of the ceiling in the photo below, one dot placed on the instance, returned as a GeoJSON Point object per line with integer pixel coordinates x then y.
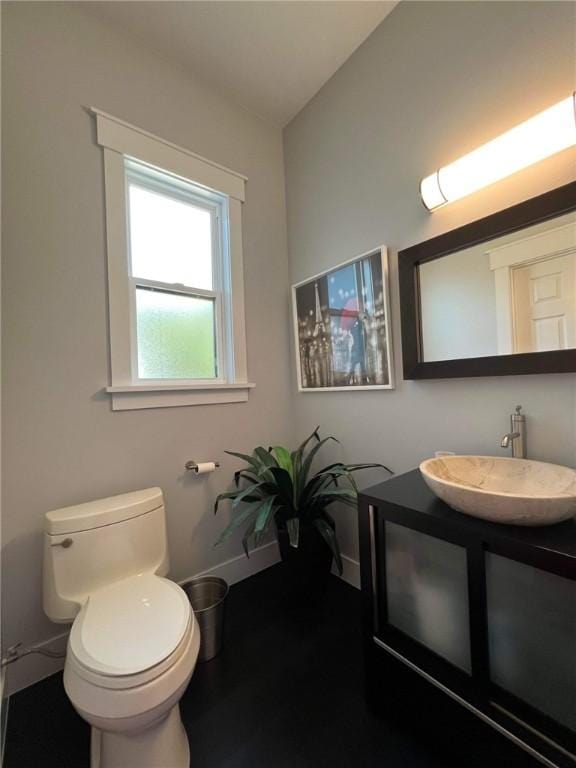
{"type": "Point", "coordinates": [271, 56]}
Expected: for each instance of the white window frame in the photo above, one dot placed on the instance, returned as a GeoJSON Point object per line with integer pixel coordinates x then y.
{"type": "Point", "coordinates": [123, 142]}
{"type": "Point", "coordinates": [217, 206]}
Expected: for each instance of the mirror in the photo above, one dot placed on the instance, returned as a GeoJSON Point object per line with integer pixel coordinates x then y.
{"type": "Point", "coordinates": [515, 293]}
{"type": "Point", "coordinates": [497, 296]}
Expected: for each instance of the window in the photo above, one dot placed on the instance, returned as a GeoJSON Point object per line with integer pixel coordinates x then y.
{"type": "Point", "coordinates": [178, 269]}
{"type": "Point", "coordinates": [175, 273]}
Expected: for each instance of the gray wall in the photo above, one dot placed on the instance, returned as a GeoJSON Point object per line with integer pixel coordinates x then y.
{"type": "Point", "coordinates": [62, 442]}
{"type": "Point", "coordinates": [434, 81]}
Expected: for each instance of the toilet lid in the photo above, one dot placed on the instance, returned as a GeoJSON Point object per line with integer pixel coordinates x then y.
{"type": "Point", "coordinates": [130, 626]}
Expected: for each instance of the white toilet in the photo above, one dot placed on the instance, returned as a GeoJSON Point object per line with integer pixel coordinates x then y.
{"type": "Point", "coordinates": [134, 639]}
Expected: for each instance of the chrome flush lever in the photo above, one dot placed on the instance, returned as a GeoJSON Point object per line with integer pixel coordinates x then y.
{"type": "Point", "coordinates": [64, 543]}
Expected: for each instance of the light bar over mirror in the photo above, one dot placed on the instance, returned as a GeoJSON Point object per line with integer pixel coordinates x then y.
{"type": "Point", "coordinates": [541, 136]}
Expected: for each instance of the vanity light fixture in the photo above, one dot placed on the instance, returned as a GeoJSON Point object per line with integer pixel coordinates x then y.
{"type": "Point", "coordinates": [541, 136]}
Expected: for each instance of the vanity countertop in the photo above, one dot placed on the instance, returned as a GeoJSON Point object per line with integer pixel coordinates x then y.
{"type": "Point", "coordinates": [415, 503]}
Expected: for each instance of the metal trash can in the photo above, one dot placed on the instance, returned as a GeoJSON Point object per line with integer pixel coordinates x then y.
{"type": "Point", "coordinates": [207, 594]}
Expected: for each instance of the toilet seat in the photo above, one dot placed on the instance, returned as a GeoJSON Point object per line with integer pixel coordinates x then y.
{"type": "Point", "coordinates": [130, 632]}
{"type": "Point", "coordinates": [119, 703]}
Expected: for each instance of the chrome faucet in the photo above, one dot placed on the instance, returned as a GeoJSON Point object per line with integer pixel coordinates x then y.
{"type": "Point", "coordinates": [517, 435]}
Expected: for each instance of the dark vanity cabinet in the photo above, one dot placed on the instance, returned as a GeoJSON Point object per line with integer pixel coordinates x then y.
{"type": "Point", "coordinates": [466, 613]}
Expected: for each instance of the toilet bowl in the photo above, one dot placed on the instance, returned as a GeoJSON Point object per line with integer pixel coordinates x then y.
{"type": "Point", "coordinates": [132, 651]}
{"type": "Point", "coordinates": [134, 639]}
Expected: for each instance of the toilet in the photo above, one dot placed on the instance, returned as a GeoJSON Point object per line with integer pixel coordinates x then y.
{"type": "Point", "coordinates": [134, 640]}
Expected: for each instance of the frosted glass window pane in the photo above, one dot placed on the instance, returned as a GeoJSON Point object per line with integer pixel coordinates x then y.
{"type": "Point", "coordinates": [427, 592]}
{"type": "Point", "coordinates": [532, 634]}
{"type": "Point", "coordinates": [170, 240]}
{"type": "Point", "coordinates": [175, 336]}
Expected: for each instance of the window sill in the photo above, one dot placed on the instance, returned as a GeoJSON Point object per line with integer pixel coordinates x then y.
{"type": "Point", "coordinates": [131, 397]}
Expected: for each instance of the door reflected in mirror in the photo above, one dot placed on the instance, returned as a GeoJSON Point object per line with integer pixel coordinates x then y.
{"type": "Point", "coordinates": [509, 295]}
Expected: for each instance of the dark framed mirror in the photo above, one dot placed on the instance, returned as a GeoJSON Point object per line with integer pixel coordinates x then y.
{"type": "Point", "coordinates": [495, 297]}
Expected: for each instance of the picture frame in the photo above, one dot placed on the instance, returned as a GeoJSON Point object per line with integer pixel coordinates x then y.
{"type": "Point", "coordinates": [342, 326]}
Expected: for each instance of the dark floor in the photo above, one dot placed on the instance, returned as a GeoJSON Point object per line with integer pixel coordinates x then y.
{"type": "Point", "coordinates": [286, 692]}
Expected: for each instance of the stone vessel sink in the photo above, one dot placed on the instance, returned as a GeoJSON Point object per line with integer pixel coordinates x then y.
{"type": "Point", "coordinates": [503, 490]}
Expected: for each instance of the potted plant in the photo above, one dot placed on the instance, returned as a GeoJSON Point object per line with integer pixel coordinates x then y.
{"type": "Point", "coordinates": [278, 487]}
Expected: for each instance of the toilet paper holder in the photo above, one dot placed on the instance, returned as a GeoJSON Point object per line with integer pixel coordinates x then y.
{"type": "Point", "coordinates": [192, 466]}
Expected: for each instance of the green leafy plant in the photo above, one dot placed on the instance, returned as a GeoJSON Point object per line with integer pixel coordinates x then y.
{"type": "Point", "coordinates": [279, 486]}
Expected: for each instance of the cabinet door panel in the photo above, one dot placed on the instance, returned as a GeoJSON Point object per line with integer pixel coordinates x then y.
{"type": "Point", "coordinates": [427, 592]}
{"type": "Point", "coordinates": [532, 636]}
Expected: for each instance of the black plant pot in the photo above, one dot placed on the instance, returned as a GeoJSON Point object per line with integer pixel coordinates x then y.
{"type": "Point", "coordinates": [306, 567]}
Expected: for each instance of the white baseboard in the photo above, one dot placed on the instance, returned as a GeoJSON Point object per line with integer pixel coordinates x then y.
{"type": "Point", "coordinates": [35, 667]}
{"type": "Point", "coordinates": [240, 568]}
{"type": "Point", "coordinates": [351, 573]}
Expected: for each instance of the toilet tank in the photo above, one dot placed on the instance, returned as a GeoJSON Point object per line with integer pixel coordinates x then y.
{"type": "Point", "coordinates": [91, 545]}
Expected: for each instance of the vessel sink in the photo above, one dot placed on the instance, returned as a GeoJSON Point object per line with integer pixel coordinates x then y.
{"type": "Point", "coordinates": [503, 490]}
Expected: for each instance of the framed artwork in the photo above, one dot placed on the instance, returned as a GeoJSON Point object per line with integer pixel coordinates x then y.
{"type": "Point", "coordinates": [342, 327]}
